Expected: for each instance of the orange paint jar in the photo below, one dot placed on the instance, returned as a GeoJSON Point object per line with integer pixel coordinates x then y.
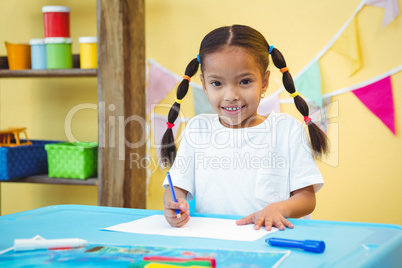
{"type": "Point", "coordinates": [19, 56]}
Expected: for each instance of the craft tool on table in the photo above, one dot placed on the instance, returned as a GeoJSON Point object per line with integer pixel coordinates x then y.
{"type": "Point", "coordinates": [307, 245]}
{"type": "Point", "coordinates": [33, 244]}
{"type": "Point", "coordinates": [181, 262]}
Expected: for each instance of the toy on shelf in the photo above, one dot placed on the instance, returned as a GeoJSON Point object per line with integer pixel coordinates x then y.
{"type": "Point", "coordinates": [11, 137]}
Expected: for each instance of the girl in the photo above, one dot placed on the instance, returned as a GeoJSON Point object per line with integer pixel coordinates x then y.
{"type": "Point", "coordinates": [237, 161]}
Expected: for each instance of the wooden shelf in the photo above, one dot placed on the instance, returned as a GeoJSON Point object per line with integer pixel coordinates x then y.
{"type": "Point", "coordinates": [74, 72]}
{"type": "Point", "coordinates": [49, 73]}
{"type": "Point", "coordinates": [121, 32]}
{"type": "Point", "coordinates": [45, 179]}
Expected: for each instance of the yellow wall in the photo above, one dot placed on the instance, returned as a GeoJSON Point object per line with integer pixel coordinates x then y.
{"type": "Point", "coordinates": [362, 176]}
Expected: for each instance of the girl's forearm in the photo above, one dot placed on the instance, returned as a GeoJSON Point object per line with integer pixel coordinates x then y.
{"type": "Point", "coordinates": [180, 193]}
{"type": "Point", "coordinates": [301, 203]}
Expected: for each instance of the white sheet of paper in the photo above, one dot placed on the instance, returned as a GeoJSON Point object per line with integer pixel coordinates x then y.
{"type": "Point", "coordinates": [197, 227]}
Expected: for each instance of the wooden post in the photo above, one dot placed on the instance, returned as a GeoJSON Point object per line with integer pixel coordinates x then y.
{"type": "Point", "coordinates": [121, 96]}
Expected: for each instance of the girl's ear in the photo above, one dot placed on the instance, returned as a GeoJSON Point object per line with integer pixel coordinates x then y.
{"type": "Point", "coordinates": [265, 82]}
{"type": "Point", "coordinates": [203, 84]}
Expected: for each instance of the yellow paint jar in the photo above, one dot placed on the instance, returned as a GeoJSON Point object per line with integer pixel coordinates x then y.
{"type": "Point", "coordinates": [19, 56]}
{"type": "Point", "coordinates": [88, 52]}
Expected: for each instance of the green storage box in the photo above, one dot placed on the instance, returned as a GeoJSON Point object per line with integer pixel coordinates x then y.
{"type": "Point", "coordinates": [77, 160]}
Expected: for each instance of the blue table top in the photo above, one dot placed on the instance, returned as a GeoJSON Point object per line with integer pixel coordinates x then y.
{"type": "Point", "coordinates": [347, 243]}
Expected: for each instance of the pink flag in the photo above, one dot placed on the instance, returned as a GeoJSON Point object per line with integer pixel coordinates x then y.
{"type": "Point", "coordinates": [391, 9]}
{"type": "Point", "coordinates": [160, 83]}
{"type": "Point", "coordinates": [271, 103]}
{"type": "Point", "coordinates": [379, 100]}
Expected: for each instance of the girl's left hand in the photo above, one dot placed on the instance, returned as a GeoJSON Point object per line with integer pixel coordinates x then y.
{"type": "Point", "coordinates": [270, 216]}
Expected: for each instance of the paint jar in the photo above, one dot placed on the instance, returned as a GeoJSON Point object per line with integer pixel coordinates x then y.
{"type": "Point", "coordinates": [57, 21]}
{"type": "Point", "coordinates": [88, 52]}
{"type": "Point", "coordinates": [19, 56]}
{"type": "Point", "coordinates": [38, 54]}
{"type": "Point", "coordinates": [59, 53]}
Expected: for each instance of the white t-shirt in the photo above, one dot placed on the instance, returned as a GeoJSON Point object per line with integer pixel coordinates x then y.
{"type": "Point", "coordinates": [240, 171]}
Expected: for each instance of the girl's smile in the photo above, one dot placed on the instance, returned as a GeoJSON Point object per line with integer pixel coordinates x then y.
{"type": "Point", "coordinates": [234, 82]}
{"type": "Point", "coordinates": [233, 109]}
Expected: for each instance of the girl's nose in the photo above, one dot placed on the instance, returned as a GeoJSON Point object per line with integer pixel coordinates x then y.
{"type": "Point", "coordinates": [231, 95]}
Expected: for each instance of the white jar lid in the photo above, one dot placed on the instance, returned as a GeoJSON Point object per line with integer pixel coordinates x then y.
{"type": "Point", "coordinates": [37, 41]}
{"type": "Point", "coordinates": [55, 9]}
{"type": "Point", "coordinates": [58, 40]}
{"type": "Point", "coordinates": [87, 39]}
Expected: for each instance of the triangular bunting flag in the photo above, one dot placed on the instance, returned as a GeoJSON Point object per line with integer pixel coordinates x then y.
{"type": "Point", "coordinates": [309, 84]}
{"type": "Point", "coordinates": [377, 97]}
{"type": "Point", "coordinates": [391, 9]}
{"type": "Point", "coordinates": [269, 104]}
{"type": "Point", "coordinates": [348, 45]}
{"type": "Point", "coordinates": [201, 103]}
{"type": "Point", "coordinates": [160, 83]}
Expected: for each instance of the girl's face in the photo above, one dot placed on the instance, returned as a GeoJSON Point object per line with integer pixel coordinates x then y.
{"type": "Point", "coordinates": [234, 83]}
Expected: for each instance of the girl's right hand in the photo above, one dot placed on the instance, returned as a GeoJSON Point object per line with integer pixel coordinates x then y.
{"type": "Point", "coordinates": [170, 212]}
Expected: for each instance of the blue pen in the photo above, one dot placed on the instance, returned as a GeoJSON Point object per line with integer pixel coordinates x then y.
{"type": "Point", "coordinates": [307, 245]}
{"type": "Point", "coordinates": [173, 194]}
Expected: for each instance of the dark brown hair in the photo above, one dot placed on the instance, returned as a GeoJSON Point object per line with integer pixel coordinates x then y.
{"type": "Point", "coordinates": [255, 43]}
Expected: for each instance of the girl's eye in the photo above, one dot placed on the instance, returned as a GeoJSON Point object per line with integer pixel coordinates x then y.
{"type": "Point", "coordinates": [245, 81]}
{"type": "Point", "coordinates": [216, 83]}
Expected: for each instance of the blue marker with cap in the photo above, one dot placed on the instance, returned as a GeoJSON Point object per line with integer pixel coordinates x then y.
{"type": "Point", "coordinates": [173, 193]}
{"type": "Point", "coordinates": [307, 245]}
